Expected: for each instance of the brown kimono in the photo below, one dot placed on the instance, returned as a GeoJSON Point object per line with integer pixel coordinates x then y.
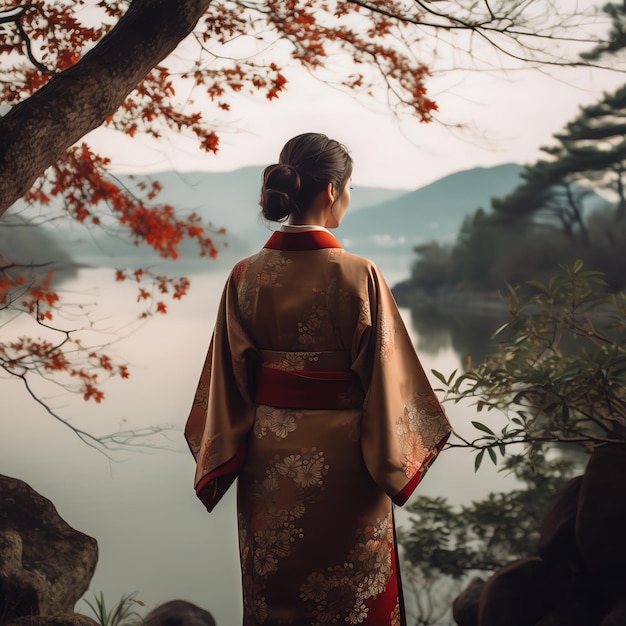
{"type": "Point", "coordinates": [313, 396]}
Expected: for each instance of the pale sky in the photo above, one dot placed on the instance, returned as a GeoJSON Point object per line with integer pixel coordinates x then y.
{"type": "Point", "coordinates": [507, 117]}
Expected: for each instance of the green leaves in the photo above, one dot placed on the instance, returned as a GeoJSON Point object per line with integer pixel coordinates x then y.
{"type": "Point", "coordinates": [478, 459]}
{"type": "Point", "coordinates": [484, 428]}
{"type": "Point", "coordinates": [490, 438]}
{"type": "Point", "coordinates": [443, 540]}
{"type": "Point", "coordinates": [559, 374]}
{"type": "Point", "coordinates": [446, 381]}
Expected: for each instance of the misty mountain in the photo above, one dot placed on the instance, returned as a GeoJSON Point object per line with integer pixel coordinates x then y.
{"type": "Point", "coordinates": [227, 200]}
{"type": "Point", "coordinates": [434, 212]}
{"type": "Point", "coordinates": [231, 199]}
{"type": "Point", "coordinates": [383, 224]}
{"type": "Point", "coordinates": [388, 232]}
{"type": "Point", "coordinates": [34, 246]}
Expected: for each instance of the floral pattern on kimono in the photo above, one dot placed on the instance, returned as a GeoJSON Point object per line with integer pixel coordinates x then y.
{"type": "Point", "coordinates": [281, 500]}
{"type": "Point", "coordinates": [343, 590]}
{"type": "Point", "coordinates": [316, 477]}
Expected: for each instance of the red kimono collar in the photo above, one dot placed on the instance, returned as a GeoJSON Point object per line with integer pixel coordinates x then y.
{"type": "Point", "coordinates": [305, 240]}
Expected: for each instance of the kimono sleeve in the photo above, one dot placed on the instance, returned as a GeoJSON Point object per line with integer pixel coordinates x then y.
{"type": "Point", "coordinates": [403, 425]}
{"type": "Point", "coordinates": [222, 413]}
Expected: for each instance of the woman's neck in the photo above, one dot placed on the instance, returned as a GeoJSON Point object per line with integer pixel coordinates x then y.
{"type": "Point", "coordinates": [316, 214]}
{"type": "Point", "coordinates": [309, 218]}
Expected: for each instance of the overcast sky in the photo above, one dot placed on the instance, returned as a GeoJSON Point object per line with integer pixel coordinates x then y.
{"type": "Point", "coordinates": [506, 117]}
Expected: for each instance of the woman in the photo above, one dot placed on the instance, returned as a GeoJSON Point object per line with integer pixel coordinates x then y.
{"type": "Point", "coordinates": [313, 396]}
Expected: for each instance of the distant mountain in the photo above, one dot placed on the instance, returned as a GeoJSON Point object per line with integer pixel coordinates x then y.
{"type": "Point", "coordinates": [379, 220]}
{"type": "Point", "coordinates": [231, 199]}
{"type": "Point", "coordinates": [228, 200]}
{"type": "Point", "coordinates": [383, 224]}
{"type": "Point", "coordinates": [33, 246]}
{"type": "Point", "coordinates": [387, 232]}
{"type": "Point", "coordinates": [433, 212]}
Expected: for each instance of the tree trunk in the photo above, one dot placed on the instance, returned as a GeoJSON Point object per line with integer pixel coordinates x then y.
{"type": "Point", "coordinates": [36, 132]}
{"type": "Point", "coordinates": [577, 214]}
{"type": "Point", "coordinates": [620, 210]}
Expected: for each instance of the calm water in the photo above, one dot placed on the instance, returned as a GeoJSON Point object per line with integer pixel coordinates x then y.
{"type": "Point", "coordinates": [154, 537]}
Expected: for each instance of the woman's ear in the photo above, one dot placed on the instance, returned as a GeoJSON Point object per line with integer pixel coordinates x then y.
{"type": "Point", "coordinates": [331, 192]}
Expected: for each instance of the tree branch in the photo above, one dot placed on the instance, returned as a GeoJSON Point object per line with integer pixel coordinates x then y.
{"type": "Point", "coordinates": [14, 16]}
{"type": "Point", "coordinates": [107, 443]}
{"type": "Point", "coordinates": [485, 28]}
{"type": "Point", "coordinates": [37, 131]}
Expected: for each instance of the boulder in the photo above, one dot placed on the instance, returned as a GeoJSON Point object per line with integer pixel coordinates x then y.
{"type": "Point", "coordinates": [557, 532]}
{"type": "Point", "coordinates": [579, 579]}
{"type": "Point", "coordinates": [601, 520]}
{"type": "Point", "coordinates": [616, 616]}
{"type": "Point", "coordinates": [465, 605]}
{"type": "Point", "coordinates": [523, 592]}
{"type": "Point", "coordinates": [45, 565]}
{"type": "Point", "coordinates": [575, 611]}
{"type": "Point", "coordinates": [178, 613]}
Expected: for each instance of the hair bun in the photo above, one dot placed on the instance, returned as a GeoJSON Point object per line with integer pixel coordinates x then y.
{"type": "Point", "coordinates": [281, 184]}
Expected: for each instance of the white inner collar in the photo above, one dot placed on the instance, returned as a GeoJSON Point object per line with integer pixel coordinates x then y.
{"type": "Point", "coordinates": [294, 228]}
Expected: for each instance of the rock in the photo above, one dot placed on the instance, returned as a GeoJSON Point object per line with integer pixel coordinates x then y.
{"type": "Point", "coordinates": [57, 620]}
{"type": "Point", "coordinates": [465, 605]}
{"type": "Point", "coordinates": [45, 565]}
{"type": "Point", "coordinates": [601, 519]}
{"type": "Point", "coordinates": [574, 612]}
{"type": "Point", "coordinates": [582, 606]}
{"type": "Point", "coordinates": [557, 533]}
{"type": "Point", "coordinates": [523, 592]}
{"type": "Point", "coordinates": [616, 616]}
{"type": "Point", "coordinates": [178, 613]}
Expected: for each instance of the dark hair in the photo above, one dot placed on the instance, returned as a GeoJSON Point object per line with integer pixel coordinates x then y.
{"type": "Point", "coordinates": [306, 165]}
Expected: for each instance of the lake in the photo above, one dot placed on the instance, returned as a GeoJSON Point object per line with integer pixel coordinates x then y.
{"type": "Point", "coordinates": [154, 537]}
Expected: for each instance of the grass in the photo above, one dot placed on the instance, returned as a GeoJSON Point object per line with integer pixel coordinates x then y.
{"type": "Point", "coordinates": [124, 613]}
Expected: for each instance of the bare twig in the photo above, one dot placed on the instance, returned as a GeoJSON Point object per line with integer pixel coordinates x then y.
{"type": "Point", "coordinates": [14, 16]}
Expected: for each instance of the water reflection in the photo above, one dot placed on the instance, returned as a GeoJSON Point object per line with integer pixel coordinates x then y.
{"type": "Point", "coordinates": [469, 334]}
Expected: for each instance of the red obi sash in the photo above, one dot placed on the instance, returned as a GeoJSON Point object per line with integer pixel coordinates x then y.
{"type": "Point", "coordinates": [307, 389]}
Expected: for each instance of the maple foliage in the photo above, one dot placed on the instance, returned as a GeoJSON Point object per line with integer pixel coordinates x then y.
{"type": "Point", "coordinates": [369, 48]}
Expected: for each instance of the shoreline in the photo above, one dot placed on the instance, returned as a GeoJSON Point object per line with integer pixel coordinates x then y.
{"type": "Point", "coordinates": [473, 302]}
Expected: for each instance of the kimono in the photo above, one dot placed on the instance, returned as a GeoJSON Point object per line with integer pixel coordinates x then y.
{"type": "Point", "coordinates": [312, 396]}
